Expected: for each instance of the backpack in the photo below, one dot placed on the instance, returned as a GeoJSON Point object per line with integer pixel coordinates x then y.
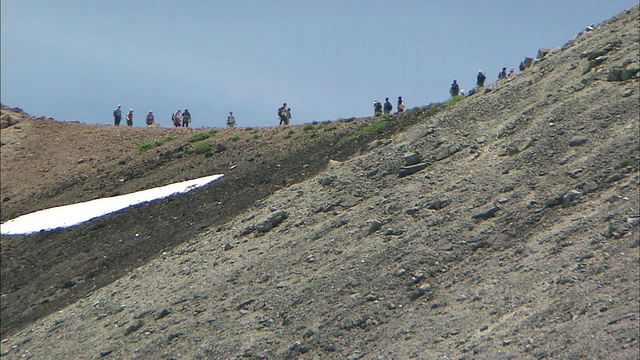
{"type": "Point", "coordinates": [455, 87]}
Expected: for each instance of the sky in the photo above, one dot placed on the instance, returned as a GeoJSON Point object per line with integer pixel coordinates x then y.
{"type": "Point", "coordinates": [75, 60]}
{"type": "Point", "coordinates": [74, 214]}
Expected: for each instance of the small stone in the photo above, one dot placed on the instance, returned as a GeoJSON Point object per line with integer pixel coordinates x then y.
{"type": "Point", "coordinates": [485, 212]}
{"type": "Point", "coordinates": [69, 284]}
{"type": "Point", "coordinates": [577, 140]}
{"type": "Point", "coordinates": [412, 158]}
{"type": "Point", "coordinates": [411, 169]}
{"type": "Point", "coordinates": [571, 196]}
{"type": "Point", "coordinates": [613, 178]}
{"type": "Point", "coordinates": [134, 327]}
{"type": "Point", "coordinates": [163, 313]}
{"type": "Point", "coordinates": [228, 246]}
{"type": "Point", "coordinates": [424, 288]}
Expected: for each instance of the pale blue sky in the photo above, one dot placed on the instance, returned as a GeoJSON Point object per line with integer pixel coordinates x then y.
{"type": "Point", "coordinates": [77, 59]}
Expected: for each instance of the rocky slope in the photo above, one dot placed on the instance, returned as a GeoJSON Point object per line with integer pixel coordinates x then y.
{"type": "Point", "coordinates": [502, 227]}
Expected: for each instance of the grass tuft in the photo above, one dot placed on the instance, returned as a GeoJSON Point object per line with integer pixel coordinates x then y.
{"type": "Point", "coordinates": [199, 137]}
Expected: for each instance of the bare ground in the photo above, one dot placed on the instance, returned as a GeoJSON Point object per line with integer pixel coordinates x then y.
{"type": "Point", "coordinates": [519, 238]}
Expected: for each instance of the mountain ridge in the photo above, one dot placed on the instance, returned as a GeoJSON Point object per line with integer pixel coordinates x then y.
{"type": "Point", "coordinates": [518, 238]}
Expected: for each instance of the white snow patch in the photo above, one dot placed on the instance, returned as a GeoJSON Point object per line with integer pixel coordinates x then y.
{"type": "Point", "coordinates": [70, 215]}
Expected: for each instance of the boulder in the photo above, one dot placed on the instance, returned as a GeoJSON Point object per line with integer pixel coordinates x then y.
{"type": "Point", "coordinates": [409, 170]}
{"type": "Point", "coordinates": [412, 158]}
{"type": "Point", "coordinates": [271, 221]}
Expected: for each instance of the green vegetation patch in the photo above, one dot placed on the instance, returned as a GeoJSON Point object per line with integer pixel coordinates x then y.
{"type": "Point", "coordinates": [307, 128]}
{"type": "Point", "coordinates": [288, 136]}
{"type": "Point", "coordinates": [235, 138]}
{"type": "Point", "coordinates": [454, 100]}
{"type": "Point", "coordinates": [202, 148]}
{"type": "Point", "coordinates": [199, 137]}
{"type": "Point", "coordinates": [148, 145]}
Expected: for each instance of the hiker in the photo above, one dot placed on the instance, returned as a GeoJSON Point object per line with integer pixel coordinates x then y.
{"type": "Point", "coordinates": [186, 118]}
{"type": "Point", "coordinates": [176, 118]}
{"type": "Point", "coordinates": [512, 72]}
{"type": "Point", "coordinates": [377, 108]}
{"type": "Point", "coordinates": [130, 118]}
{"type": "Point", "coordinates": [231, 120]}
{"type": "Point", "coordinates": [503, 73]}
{"type": "Point", "coordinates": [400, 106]}
{"type": "Point", "coordinates": [150, 119]}
{"type": "Point", "coordinates": [117, 115]}
{"type": "Point", "coordinates": [480, 79]}
{"type": "Point", "coordinates": [521, 67]}
{"type": "Point", "coordinates": [282, 114]}
{"type": "Point", "coordinates": [455, 89]}
{"type": "Point", "coordinates": [288, 115]}
{"type": "Point", "coordinates": [387, 106]}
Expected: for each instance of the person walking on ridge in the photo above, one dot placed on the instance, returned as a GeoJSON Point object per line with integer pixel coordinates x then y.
{"type": "Point", "coordinates": [480, 79]}
{"type": "Point", "coordinates": [288, 115]}
{"type": "Point", "coordinates": [150, 119]}
{"type": "Point", "coordinates": [503, 73]}
{"type": "Point", "coordinates": [117, 116]}
{"type": "Point", "coordinates": [400, 106]}
{"type": "Point", "coordinates": [377, 108]}
{"type": "Point", "coordinates": [130, 118]}
{"type": "Point", "coordinates": [231, 120]}
{"type": "Point", "coordinates": [176, 118]}
{"type": "Point", "coordinates": [186, 118]}
{"type": "Point", "coordinates": [455, 89]}
{"type": "Point", "coordinates": [387, 106]}
{"type": "Point", "coordinates": [282, 114]}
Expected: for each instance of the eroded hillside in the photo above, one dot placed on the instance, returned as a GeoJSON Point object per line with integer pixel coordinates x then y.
{"type": "Point", "coordinates": [504, 226]}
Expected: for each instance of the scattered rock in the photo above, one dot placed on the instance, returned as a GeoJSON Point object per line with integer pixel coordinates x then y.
{"type": "Point", "coordinates": [447, 151]}
{"type": "Point", "coordinates": [375, 226]}
{"type": "Point", "coordinates": [409, 170]}
{"type": "Point", "coordinates": [243, 304]}
{"type": "Point", "coordinates": [68, 284]}
{"type": "Point", "coordinates": [485, 212]}
{"type": "Point", "coordinates": [589, 187]}
{"type": "Point", "coordinates": [134, 327]}
{"type": "Point", "coordinates": [228, 246]}
{"type": "Point", "coordinates": [412, 158]}
{"type": "Point", "coordinates": [271, 221]}
{"type": "Point", "coordinates": [106, 352]}
{"type": "Point", "coordinates": [326, 180]}
{"type": "Point", "coordinates": [613, 178]}
{"type": "Point", "coordinates": [163, 313]}
{"type": "Point", "coordinates": [571, 196]}
{"type": "Point", "coordinates": [577, 140]}
{"type": "Point", "coordinates": [438, 204]}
